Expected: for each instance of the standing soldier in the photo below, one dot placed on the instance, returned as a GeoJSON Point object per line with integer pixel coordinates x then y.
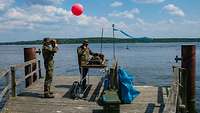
{"type": "Point", "coordinates": [83, 57]}
{"type": "Point", "coordinates": [48, 50]}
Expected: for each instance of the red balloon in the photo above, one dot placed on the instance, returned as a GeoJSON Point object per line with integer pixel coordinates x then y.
{"type": "Point", "coordinates": [77, 9]}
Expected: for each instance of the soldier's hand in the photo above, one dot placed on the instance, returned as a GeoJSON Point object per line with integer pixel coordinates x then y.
{"type": "Point", "coordinates": [54, 43]}
{"type": "Point", "coordinates": [84, 47]}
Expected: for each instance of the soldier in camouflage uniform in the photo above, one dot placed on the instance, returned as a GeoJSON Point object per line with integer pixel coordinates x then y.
{"type": "Point", "coordinates": [83, 57]}
{"type": "Point", "coordinates": [48, 50]}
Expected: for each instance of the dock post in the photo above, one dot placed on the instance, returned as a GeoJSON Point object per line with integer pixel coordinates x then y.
{"type": "Point", "coordinates": [111, 77]}
{"type": "Point", "coordinates": [13, 81]}
{"type": "Point", "coordinates": [39, 69]}
{"type": "Point", "coordinates": [30, 54]}
{"type": "Point", "coordinates": [188, 63]}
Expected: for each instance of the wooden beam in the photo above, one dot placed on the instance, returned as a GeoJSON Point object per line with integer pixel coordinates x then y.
{"type": "Point", "coordinates": [13, 81]}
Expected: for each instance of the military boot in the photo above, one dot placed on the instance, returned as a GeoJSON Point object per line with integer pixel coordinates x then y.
{"type": "Point", "coordinates": [47, 95]}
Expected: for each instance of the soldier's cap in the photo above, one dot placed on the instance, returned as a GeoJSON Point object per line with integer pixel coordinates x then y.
{"type": "Point", "coordinates": [85, 42]}
{"type": "Point", "coordinates": [47, 39]}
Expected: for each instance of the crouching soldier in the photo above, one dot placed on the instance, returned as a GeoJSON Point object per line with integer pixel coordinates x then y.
{"type": "Point", "coordinates": [48, 50]}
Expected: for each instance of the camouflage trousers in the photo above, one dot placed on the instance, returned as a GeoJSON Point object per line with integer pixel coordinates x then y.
{"type": "Point", "coordinates": [49, 76]}
{"type": "Point", "coordinates": [83, 77]}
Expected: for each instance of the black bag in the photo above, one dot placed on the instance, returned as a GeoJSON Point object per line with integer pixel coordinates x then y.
{"type": "Point", "coordinates": [75, 90]}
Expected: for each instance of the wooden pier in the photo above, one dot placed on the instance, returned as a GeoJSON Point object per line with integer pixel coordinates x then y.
{"type": "Point", "coordinates": [177, 97]}
{"type": "Point", "coordinates": [151, 99]}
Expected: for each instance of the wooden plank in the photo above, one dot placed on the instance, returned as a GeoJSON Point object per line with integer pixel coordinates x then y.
{"type": "Point", "coordinates": [23, 79]}
{"type": "Point", "coordinates": [4, 92]}
{"type": "Point", "coordinates": [93, 66]}
{"type": "Point", "coordinates": [24, 64]}
{"type": "Point", "coordinates": [32, 101]}
{"type": "Point", "coordinates": [111, 97]}
{"type": "Point", "coordinates": [31, 74]}
{"type": "Point", "coordinates": [4, 73]}
{"type": "Point", "coordinates": [171, 104]}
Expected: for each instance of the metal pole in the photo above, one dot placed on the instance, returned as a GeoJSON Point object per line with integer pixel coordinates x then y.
{"type": "Point", "coordinates": [13, 82]}
{"type": "Point", "coordinates": [113, 25]}
{"type": "Point", "coordinates": [188, 63]}
{"type": "Point", "coordinates": [101, 39]}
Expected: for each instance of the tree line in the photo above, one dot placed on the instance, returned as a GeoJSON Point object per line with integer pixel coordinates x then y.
{"type": "Point", "coordinates": [107, 40]}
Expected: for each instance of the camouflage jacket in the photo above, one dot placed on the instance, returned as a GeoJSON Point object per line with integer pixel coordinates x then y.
{"type": "Point", "coordinates": [48, 52]}
{"type": "Point", "coordinates": [83, 55]}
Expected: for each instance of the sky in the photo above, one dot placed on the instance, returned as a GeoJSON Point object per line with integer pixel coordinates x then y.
{"type": "Point", "coordinates": [22, 20]}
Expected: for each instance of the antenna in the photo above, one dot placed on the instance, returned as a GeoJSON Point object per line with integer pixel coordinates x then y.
{"type": "Point", "coordinates": [113, 26]}
{"type": "Point", "coordinates": [101, 39]}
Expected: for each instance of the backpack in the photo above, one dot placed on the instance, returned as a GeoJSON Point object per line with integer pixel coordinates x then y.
{"type": "Point", "coordinates": [75, 90]}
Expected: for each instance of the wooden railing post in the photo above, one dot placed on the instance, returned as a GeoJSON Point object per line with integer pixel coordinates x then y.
{"type": "Point", "coordinates": [39, 69]}
{"type": "Point", "coordinates": [8, 78]}
{"type": "Point", "coordinates": [112, 74]}
{"type": "Point", "coordinates": [183, 91]}
{"type": "Point", "coordinates": [113, 77]}
{"type": "Point", "coordinates": [13, 81]}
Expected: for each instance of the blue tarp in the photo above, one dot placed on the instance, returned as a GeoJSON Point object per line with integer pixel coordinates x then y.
{"type": "Point", "coordinates": [127, 90]}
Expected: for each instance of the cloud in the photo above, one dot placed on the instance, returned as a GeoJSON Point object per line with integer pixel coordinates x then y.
{"type": "Point", "coordinates": [4, 4]}
{"type": "Point", "coordinates": [116, 4]}
{"type": "Point", "coordinates": [166, 28]}
{"type": "Point", "coordinates": [44, 2]}
{"type": "Point", "coordinates": [31, 17]}
{"type": "Point", "coordinates": [125, 14]}
{"type": "Point", "coordinates": [140, 21]}
{"type": "Point", "coordinates": [174, 10]}
{"type": "Point", "coordinates": [93, 21]}
{"type": "Point", "coordinates": [149, 1]}
{"type": "Point", "coordinates": [50, 21]}
{"type": "Point", "coordinates": [38, 14]}
{"type": "Point", "coordinates": [38, 21]}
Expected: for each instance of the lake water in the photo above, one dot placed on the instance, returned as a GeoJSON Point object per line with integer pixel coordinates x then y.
{"type": "Point", "coordinates": [150, 63]}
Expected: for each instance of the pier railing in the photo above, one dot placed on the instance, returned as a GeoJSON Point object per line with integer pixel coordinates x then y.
{"type": "Point", "coordinates": [31, 68]}
{"type": "Point", "coordinates": [5, 89]}
{"type": "Point", "coordinates": [176, 101]}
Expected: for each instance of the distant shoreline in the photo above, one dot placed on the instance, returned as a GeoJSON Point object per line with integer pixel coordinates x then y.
{"type": "Point", "coordinates": [107, 40]}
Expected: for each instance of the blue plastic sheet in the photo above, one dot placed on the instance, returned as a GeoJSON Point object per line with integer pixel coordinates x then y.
{"type": "Point", "coordinates": [127, 91]}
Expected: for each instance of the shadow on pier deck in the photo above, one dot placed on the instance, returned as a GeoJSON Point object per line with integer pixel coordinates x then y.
{"type": "Point", "coordinates": [151, 99]}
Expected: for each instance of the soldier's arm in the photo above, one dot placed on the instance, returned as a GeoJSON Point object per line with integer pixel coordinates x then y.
{"type": "Point", "coordinates": [50, 49]}
{"type": "Point", "coordinates": [54, 49]}
{"type": "Point", "coordinates": [79, 51]}
{"type": "Point", "coordinates": [91, 53]}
